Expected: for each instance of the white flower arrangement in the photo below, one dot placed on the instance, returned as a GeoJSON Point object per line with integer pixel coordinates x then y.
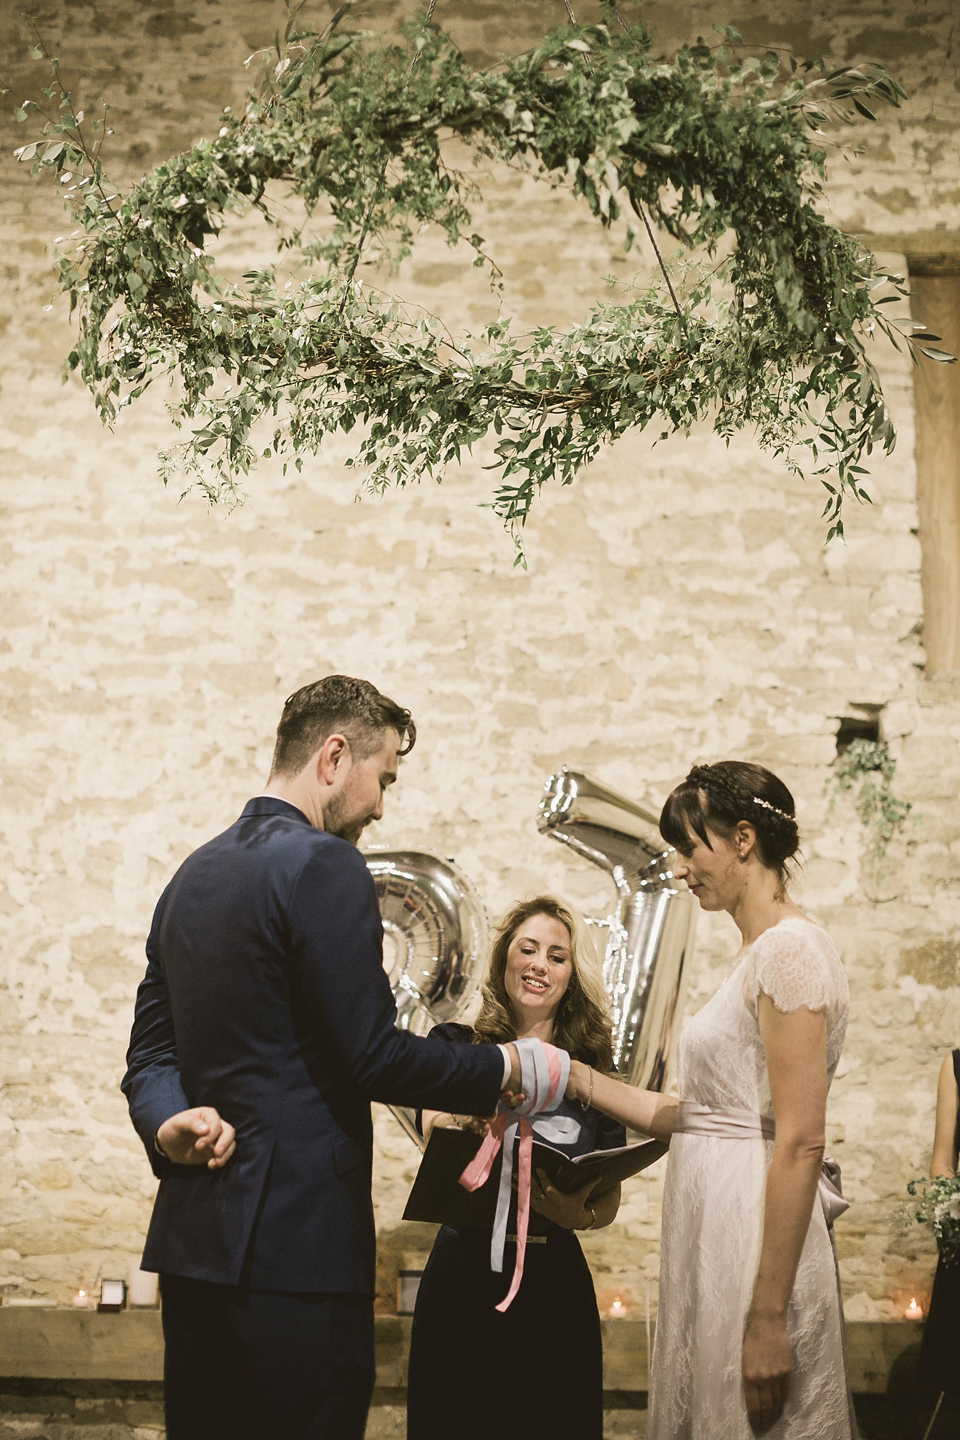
{"type": "Point", "coordinates": [940, 1208]}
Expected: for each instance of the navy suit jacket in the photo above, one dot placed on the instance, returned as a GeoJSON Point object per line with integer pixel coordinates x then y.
{"type": "Point", "coordinates": [265, 996]}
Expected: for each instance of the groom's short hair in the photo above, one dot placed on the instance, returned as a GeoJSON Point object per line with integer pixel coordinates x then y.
{"type": "Point", "coordinates": [337, 704]}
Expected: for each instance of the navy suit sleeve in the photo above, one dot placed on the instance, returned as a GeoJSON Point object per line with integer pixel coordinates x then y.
{"type": "Point", "coordinates": [152, 1083]}
{"type": "Point", "coordinates": [337, 947]}
{"type": "Point", "coordinates": [451, 1034]}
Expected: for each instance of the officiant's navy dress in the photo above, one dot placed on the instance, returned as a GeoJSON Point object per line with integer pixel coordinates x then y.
{"type": "Point", "coordinates": [506, 1365]}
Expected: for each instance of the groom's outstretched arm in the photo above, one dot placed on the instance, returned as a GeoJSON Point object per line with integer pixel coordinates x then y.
{"type": "Point", "coordinates": [337, 942]}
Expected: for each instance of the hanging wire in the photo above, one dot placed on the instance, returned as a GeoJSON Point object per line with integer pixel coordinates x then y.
{"type": "Point", "coordinates": [666, 274]}
{"type": "Point", "coordinates": [635, 204]}
{"type": "Point", "coordinates": [416, 59]}
{"type": "Point", "coordinates": [573, 20]}
{"type": "Point", "coordinates": [612, 5]}
{"type": "Point", "coordinates": [365, 228]}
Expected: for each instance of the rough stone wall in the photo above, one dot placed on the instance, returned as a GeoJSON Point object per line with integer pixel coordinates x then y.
{"type": "Point", "coordinates": [679, 605]}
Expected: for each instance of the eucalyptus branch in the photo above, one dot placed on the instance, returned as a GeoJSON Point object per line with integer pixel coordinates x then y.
{"type": "Point", "coordinates": [868, 766]}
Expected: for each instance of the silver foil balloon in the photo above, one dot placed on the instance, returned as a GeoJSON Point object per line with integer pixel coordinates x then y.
{"type": "Point", "coordinates": [435, 937]}
{"type": "Point", "coordinates": [649, 935]}
{"type": "Point", "coordinates": [436, 934]}
{"type": "Point", "coordinates": [603, 826]}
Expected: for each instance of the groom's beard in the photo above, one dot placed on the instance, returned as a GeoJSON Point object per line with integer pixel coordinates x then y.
{"type": "Point", "coordinates": [340, 818]}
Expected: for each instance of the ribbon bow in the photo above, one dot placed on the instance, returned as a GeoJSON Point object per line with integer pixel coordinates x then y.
{"type": "Point", "coordinates": [544, 1072]}
{"type": "Point", "coordinates": [831, 1196]}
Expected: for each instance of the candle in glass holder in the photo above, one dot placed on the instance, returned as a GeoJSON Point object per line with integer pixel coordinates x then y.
{"type": "Point", "coordinates": [141, 1287]}
{"type": "Point", "coordinates": [913, 1311]}
{"type": "Point", "coordinates": [617, 1309]}
{"type": "Point", "coordinates": [80, 1300]}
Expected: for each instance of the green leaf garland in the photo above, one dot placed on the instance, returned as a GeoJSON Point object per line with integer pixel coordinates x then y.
{"type": "Point", "coordinates": [709, 144]}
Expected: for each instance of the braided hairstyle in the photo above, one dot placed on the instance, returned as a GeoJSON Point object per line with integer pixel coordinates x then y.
{"type": "Point", "coordinates": [717, 797]}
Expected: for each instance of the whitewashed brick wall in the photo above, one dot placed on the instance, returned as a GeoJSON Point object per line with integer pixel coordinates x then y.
{"type": "Point", "coordinates": [679, 605]}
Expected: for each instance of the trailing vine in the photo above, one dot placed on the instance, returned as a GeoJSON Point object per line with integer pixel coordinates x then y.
{"type": "Point", "coordinates": [710, 144]}
{"type": "Point", "coordinates": [868, 766]}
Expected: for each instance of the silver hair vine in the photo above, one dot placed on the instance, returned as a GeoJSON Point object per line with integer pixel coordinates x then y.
{"type": "Point", "coordinates": [767, 806]}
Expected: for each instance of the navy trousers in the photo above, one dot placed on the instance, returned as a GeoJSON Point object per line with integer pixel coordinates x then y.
{"type": "Point", "coordinates": [245, 1364]}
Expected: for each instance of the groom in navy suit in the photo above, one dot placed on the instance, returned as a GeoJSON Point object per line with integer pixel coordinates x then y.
{"type": "Point", "coordinates": [265, 1002]}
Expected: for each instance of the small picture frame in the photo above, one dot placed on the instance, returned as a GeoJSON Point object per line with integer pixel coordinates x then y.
{"type": "Point", "coordinates": [113, 1296]}
{"type": "Point", "coordinates": [408, 1283]}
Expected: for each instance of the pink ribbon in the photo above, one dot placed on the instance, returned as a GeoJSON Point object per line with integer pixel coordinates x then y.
{"type": "Point", "coordinates": [544, 1073]}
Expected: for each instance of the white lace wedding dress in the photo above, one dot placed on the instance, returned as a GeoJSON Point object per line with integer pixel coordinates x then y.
{"type": "Point", "coordinates": [713, 1214]}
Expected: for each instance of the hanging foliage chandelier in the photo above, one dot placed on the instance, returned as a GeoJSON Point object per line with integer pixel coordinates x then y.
{"type": "Point", "coordinates": [714, 145]}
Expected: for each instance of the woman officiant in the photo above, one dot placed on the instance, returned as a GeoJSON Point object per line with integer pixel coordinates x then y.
{"type": "Point", "coordinates": [543, 981]}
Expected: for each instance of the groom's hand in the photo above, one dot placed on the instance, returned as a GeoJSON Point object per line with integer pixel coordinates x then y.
{"type": "Point", "coordinates": [511, 1094]}
{"type": "Point", "coordinates": [197, 1137]}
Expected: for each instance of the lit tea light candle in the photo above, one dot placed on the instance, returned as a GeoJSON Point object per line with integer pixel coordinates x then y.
{"type": "Point", "coordinates": [80, 1300]}
{"type": "Point", "coordinates": [913, 1311]}
{"type": "Point", "coordinates": [618, 1308]}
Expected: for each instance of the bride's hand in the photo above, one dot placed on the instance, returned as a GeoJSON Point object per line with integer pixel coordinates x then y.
{"type": "Point", "coordinates": [578, 1086]}
{"type": "Point", "coordinates": [767, 1363]}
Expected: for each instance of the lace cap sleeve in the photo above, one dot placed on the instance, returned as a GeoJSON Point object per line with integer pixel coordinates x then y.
{"type": "Point", "coordinates": [797, 967]}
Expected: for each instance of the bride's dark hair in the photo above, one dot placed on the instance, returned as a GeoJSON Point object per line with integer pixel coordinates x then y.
{"type": "Point", "coordinates": [717, 797]}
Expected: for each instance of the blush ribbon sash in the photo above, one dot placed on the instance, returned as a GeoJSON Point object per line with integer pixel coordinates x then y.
{"type": "Point", "coordinates": [727, 1123]}
{"type": "Point", "coordinates": [544, 1072]}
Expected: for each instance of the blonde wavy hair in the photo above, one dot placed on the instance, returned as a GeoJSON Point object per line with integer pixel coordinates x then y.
{"type": "Point", "coordinates": [582, 1022]}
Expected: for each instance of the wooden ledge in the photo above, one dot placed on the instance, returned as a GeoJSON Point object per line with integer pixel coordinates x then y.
{"type": "Point", "coordinates": [81, 1344]}
{"type": "Point", "coordinates": [85, 1345]}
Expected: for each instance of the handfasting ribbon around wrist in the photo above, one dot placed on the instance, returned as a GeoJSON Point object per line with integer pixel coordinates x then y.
{"type": "Point", "coordinates": [544, 1072]}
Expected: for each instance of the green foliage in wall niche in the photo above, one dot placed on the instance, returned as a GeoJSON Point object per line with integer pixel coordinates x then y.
{"type": "Point", "coordinates": [709, 144]}
{"type": "Point", "coordinates": [868, 767]}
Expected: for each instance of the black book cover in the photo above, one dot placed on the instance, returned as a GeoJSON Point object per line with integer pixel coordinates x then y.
{"type": "Point", "coordinates": [438, 1197]}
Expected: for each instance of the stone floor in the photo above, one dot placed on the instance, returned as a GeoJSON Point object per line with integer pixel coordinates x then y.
{"type": "Point", "coordinates": [81, 1410]}
{"type": "Point", "coordinates": [387, 1422]}
{"type": "Point", "coordinates": [121, 1410]}
{"type": "Point", "coordinates": [880, 1417]}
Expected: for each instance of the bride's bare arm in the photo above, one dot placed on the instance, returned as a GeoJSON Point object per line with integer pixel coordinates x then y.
{"type": "Point", "coordinates": [644, 1110]}
{"type": "Point", "coordinates": [944, 1158]}
{"type": "Point", "coordinates": [796, 1051]}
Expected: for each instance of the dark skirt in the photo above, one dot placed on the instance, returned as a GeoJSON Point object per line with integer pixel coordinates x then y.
{"type": "Point", "coordinates": [536, 1370]}
{"type": "Point", "coordinates": [939, 1363]}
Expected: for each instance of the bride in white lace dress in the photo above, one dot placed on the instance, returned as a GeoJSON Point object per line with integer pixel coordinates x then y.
{"type": "Point", "coordinates": [750, 1326]}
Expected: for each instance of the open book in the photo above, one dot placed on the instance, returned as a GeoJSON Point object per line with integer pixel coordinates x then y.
{"type": "Point", "coordinates": [438, 1197]}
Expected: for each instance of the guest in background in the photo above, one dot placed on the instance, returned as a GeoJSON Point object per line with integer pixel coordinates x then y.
{"type": "Point", "coordinates": [544, 980]}
{"type": "Point", "coordinates": [940, 1350]}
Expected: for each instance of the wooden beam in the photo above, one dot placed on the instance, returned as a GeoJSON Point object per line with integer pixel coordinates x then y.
{"type": "Point", "coordinates": [85, 1345]}
{"type": "Point", "coordinates": [935, 302]}
{"type": "Point", "coordinates": [928, 252]}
